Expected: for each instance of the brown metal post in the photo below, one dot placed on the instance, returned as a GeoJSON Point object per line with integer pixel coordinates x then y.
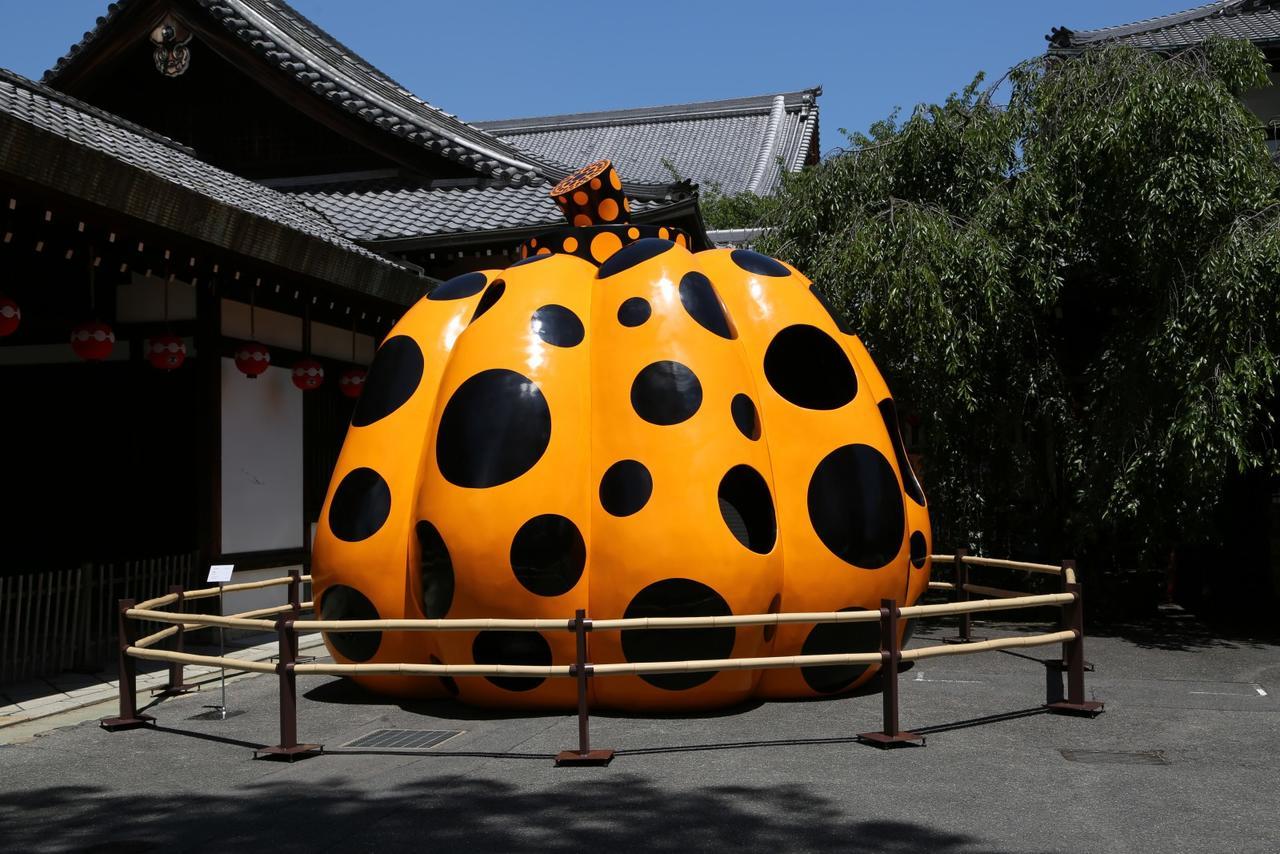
{"type": "Point", "coordinates": [295, 604]}
{"type": "Point", "coordinates": [288, 748]}
{"type": "Point", "coordinates": [581, 670]}
{"type": "Point", "coordinates": [177, 679]}
{"type": "Point", "coordinates": [1073, 659]}
{"type": "Point", "coordinates": [965, 634]}
{"type": "Point", "coordinates": [890, 657]}
{"type": "Point", "coordinates": [127, 633]}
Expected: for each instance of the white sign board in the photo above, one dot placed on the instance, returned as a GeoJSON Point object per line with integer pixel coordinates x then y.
{"type": "Point", "coordinates": [221, 572]}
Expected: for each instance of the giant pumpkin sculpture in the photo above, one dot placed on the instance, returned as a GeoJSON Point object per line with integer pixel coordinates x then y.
{"type": "Point", "coordinates": [619, 424]}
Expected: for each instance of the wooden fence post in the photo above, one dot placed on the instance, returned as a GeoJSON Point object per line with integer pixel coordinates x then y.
{"type": "Point", "coordinates": [890, 656]}
{"type": "Point", "coordinates": [288, 748]}
{"type": "Point", "coordinates": [177, 678]}
{"type": "Point", "coordinates": [965, 634]}
{"type": "Point", "coordinates": [581, 670]}
{"type": "Point", "coordinates": [295, 605]}
{"type": "Point", "coordinates": [1073, 658]}
{"type": "Point", "coordinates": [128, 671]}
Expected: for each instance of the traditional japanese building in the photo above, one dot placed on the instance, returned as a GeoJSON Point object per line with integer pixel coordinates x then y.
{"type": "Point", "coordinates": [207, 203]}
{"type": "Point", "coordinates": [1257, 21]}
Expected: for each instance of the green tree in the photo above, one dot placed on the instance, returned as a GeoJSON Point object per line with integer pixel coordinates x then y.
{"type": "Point", "coordinates": [1078, 292]}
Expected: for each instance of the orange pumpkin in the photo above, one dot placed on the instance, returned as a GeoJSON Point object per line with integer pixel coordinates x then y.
{"type": "Point", "coordinates": [619, 424]}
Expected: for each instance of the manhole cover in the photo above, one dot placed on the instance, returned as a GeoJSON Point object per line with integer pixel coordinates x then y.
{"type": "Point", "coordinates": [1116, 757]}
{"type": "Point", "coordinates": [403, 739]}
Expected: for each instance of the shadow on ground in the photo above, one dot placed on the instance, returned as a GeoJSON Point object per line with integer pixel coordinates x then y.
{"type": "Point", "coordinates": [572, 812]}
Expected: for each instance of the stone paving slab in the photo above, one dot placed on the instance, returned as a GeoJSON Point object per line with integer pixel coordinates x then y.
{"type": "Point", "coordinates": [784, 776]}
{"type": "Point", "coordinates": [38, 699]}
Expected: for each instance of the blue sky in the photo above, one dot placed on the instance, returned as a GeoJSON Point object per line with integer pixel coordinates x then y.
{"type": "Point", "coordinates": [496, 59]}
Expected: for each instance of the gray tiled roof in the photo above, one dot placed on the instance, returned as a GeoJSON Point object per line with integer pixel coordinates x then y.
{"type": "Point", "coordinates": [1254, 20]}
{"type": "Point", "coordinates": [95, 130]}
{"type": "Point", "coordinates": [329, 70]}
{"type": "Point", "coordinates": [400, 208]}
{"type": "Point", "coordinates": [735, 145]}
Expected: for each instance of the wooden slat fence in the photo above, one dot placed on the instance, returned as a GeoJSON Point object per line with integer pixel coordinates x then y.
{"type": "Point", "coordinates": [65, 619]}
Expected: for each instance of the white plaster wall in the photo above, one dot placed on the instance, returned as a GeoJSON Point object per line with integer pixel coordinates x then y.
{"type": "Point", "coordinates": [261, 460]}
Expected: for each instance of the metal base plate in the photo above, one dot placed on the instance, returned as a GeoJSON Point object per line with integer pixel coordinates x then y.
{"type": "Point", "coordinates": [591, 757]}
{"type": "Point", "coordinates": [117, 724]}
{"type": "Point", "coordinates": [288, 754]}
{"type": "Point", "coordinates": [1087, 709]}
{"type": "Point", "coordinates": [884, 741]}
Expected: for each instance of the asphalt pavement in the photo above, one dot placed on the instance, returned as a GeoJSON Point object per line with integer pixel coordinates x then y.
{"type": "Point", "coordinates": [1185, 758]}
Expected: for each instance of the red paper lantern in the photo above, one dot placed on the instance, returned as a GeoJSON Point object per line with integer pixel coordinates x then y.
{"type": "Point", "coordinates": [93, 340]}
{"type": "Point", "coordinates": [351, 383]}
{"type": "Point", "coordinates": [167, 352]}
{"type": "Point", "coordinates": [10, 316]}
{"type": "Point", "coordinates": [252, 359]}
{"type": "Point", "coordinates": [308, 374]}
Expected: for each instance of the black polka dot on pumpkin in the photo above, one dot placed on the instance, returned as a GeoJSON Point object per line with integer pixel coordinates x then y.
{"type": "Point", "coordinates": [625, 488]}
{"type": "Point", "coordinates": [494, 429]}
{"type": "Point", "coordinates": [435, 571]}
{"type": "Point", "coordinates": [889, 413]}
{"type": "Point", "coordinates": [806, 367]}
{"type": "Point", "coordinates": [837, 316]}
{"type": "Point", "coordinates": [702, 302]}
{"type": "Point", "coordinates": [634, 311]}
{"type": "Point", "coordinates": [629, 256]}
{"type": "Point", "coordinates": [762, 265]}
{"type": "Point", "coordinates": [548, 554]}
{"type": "Point", "coordinates": [341, 602]}
{"type": "Point", "coordinates": [468, 284]}
{"type": "Point", "coordinates": [360, 505]}
{"type": "Point", "coordinates": [492, 294]}
{"type": "Point", "coordinates": [747, 508]}
{"type": "Point", "coordinates": [393, 378]}
{"type": "Point", "coordinates": [919, 549]}
{"type": "Point", "coordinates": [450, 684]}
{"type": "Point", "coordinates": [521, 648]}
{"type": "Point", "coordinates": [745, 417]}
{"type": "Point", "coordinates": [529, 260]}
{"type": "Point", "coordinates": [838, 639]}
{"type": "Point", "coordinates": [856, 507]}
{"type": "Point", "coordinates": [557, 325]}
{"type": "Point", "coordinates": [666, 393]}
{"type": "Point", "coordinates": [677, 597]}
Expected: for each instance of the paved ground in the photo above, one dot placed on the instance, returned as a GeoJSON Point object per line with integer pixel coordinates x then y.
{"type": "Point", "coordinates": [1185, 759]}
{"type": "Point", "coordinates": [26, 705]}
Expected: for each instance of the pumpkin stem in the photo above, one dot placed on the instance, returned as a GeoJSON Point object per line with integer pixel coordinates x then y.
{"type": "Point", "coordinates": [593, 196]}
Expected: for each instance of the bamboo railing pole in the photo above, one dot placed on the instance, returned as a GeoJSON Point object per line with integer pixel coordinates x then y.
{"type": "Point", "coordinates": [990, 645]}
{"type": "Point", "coordinates": [242, 664]}
{"type": "Point", "coordinates": [1009, 603]}
{"type": "Point", "coordinates": [199, 619]}
{"type": "Point", "coordinates": [999, 563]}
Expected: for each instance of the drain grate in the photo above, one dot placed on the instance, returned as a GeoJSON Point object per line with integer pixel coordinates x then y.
{"type": "Point", "coordinates": [404, 739]}
{"type": "Point", "coordinates": [1116, 757]}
